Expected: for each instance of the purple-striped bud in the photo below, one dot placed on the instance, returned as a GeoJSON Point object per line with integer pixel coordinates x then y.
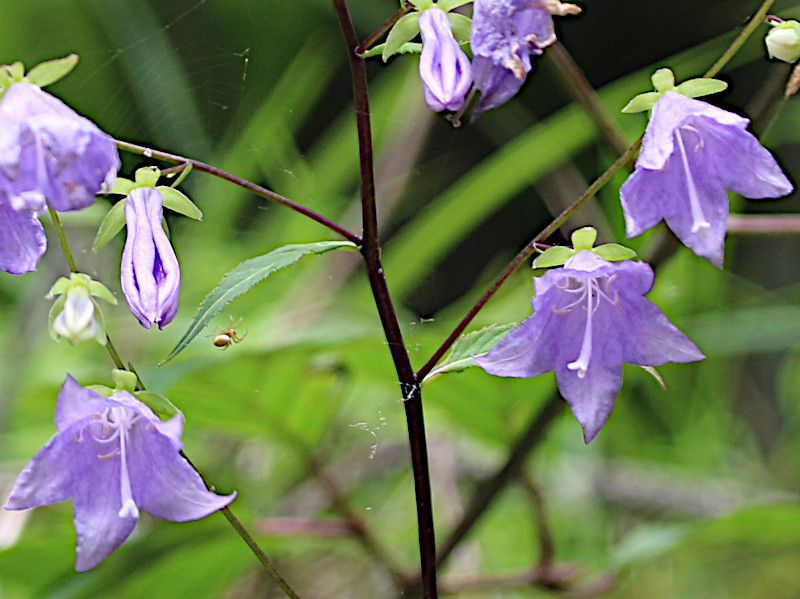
{"type": "Point", "coordinates": [150, 273]}
{"type": "Point", "coordinates": [443, 67]}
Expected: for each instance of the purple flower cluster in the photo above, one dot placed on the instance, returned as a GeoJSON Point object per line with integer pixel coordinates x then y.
{"type": "Point", "coordinates": [48, 155]}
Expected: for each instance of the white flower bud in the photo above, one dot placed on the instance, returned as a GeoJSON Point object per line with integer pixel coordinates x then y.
{"type": "Point", "coordinates": [76, 322]}
{"type": "Point", "coordinates": [783, 41]}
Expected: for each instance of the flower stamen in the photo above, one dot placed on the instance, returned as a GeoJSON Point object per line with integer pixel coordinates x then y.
{"type": "Point", "coordinates": [698, 218]}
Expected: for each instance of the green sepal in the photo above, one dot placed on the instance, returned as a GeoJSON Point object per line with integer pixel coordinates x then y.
{"type": "Point", "coordinates": [15, 71]}
{"type": "Point", "coordinates": [59, 287]}
{"type": "Point", "coordinates": [642, 102]}
{"type": "Point", "coordinates": [584, 238]}
{"type": "Point", "coordinates": [178, 202]}
{"type": "Point", "coordinates": [102, 390]}
{"type": "Point", "coordinates": [554, 256]}
{"type": "Point", "coordinates": [697, 88]}
{"type": "Point", "coordinates": [97, 289]}
{"type": "Point", "coordinates": [162, 407]}
{"type": "Point", "coordinates": [614, 252]}
{"type": "Point", "coordinates": [182, 176]}
{"type": "Point", "coordinates": [147, 176]}
{"type": "Point", "coordinates": [122, 187]}
{"type": "Point", "coordinates": [663, 80]}
{"type": "Point", "coordinates": [448, 5]}
{"type": "Point", "coordinates": [405, 30]}
{"type": "Point", "coordinates": [409, 48]}
{"type": "Point", "coordinates": [124, 380]}
{"type": "Point", "coordinates": [419, 4]}
{"type": "Point", "coordinates": [55, 310]}
{"type": "Point", "coordinates": [111, 224]}
{"type": "Point", "coordinates": [461, 26]}
{"type": "Point", "coordinates": [50, 71]}
{"type": "Point", "coordinates": [100, 320]}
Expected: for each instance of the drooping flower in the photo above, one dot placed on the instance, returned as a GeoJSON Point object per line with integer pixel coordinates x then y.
{"type": "Point", "coordinates": [783, 41]}
{"type": "Point", "coordinates": [75, 315]}
{"type": "Point", "coordinates": [443, 67]}
{"type": "Point", "coordinates": [48, 153]}
{"type": "Point", "coordinates": [691, 155]}
{"type": "Point", "coordinates": [149, 272]}
{"type": "Point", "coordinates": [590, 317]}
{"type": "Point", "coordinates": [113, 457]}
{"type": "Point", "coordinates": [505, 34]}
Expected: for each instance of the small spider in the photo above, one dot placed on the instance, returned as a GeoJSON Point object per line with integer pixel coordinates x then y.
{"type": "Point", "coordinates": [227, 337]}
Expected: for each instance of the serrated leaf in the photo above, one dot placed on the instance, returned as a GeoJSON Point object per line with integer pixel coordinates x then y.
{"type": "Point", "coordinates": [554, 256]}
{"type": "Point", "coordinates": [642, 103]}
{"type": "Point", "coordinates": [49, 72]}
{"type": "Point", "coordinates": [584, 238]}
{"type": "Point", "coordinates": [121, 186]}
{"type": "Point", "coordinates": [178, 202]}
{"type": "Point", "coordinates": [163, 407]}
{"type": "Point", "coordinates": [245, 276]}
{"type": "Point", "coordinates": [614, 252]}
{"type": "Point", "coordinates": [464, 350]}
{"type": "Point", "coordinates": [405, 30]}
{"type": "Point", "coordinates": [111, 224]}
{"type": "Point", "coordinates": [697, 88]}
{"type": "Point", "coordinates": [461, 26]}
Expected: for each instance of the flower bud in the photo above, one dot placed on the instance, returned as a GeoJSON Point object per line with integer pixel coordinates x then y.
{"type": "Point", "coordinates": [443, 67]}
{"type": "Point", "coordinates": [75, 315]}
{"type": "Point", "coordinates": [783, 41]}
{"type": "Point", "coordinates": [150, 273]}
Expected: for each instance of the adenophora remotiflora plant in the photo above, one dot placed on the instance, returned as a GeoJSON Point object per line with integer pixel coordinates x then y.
{"type": "Point", "coordinates": [590, 313]}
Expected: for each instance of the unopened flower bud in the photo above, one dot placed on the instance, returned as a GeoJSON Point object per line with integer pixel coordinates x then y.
{"type": "Point", "coordinates": [75, 315]}
{"type": "Point", "coordinates": [150, 273]}
{"type": "Point", "coordinates": [443, 67]}
{"type": "Point", "coordinates": [783, 41]}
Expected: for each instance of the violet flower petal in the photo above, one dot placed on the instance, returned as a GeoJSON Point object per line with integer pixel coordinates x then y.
{"type": "Point", "coordinates": [22, 239]}
{"type": "Point", "coordinates": [443, 67]}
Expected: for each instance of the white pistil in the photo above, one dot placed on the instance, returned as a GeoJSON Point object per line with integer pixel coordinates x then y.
{"type": "Point", "coordinates": [698, 218]}
{"type": "Point", "coordinates": [582, 363]}
{"type": "Point", "coordinates": [117, 422]}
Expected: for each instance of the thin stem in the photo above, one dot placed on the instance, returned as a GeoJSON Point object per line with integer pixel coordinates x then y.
{"type": "Point", "coordinates": [740, 40]}
{"type": "Point", "coordinates": [582, 90]}
{"type": "Point", "coordinates": [115, 357]}
{"type": "Point", "coordinates": [764, 224]}
{"type": "Point", "coordinates": [546, 542]}
{"type": "Point", "coordinates": [244, 183]}
{"type": "Point", "coordinates": [370, 250]}
{"type": "Point", "coordinates": [62, 239]}
{"type": "Point", "coordinates": [376, 35]}
{"type": "Point", "coordinates": [526, 253]}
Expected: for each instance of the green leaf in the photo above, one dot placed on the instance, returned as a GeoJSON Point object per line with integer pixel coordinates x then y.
{"type": "Point", "coordinates": [178, 202]}
{"type": "Point", "coordinates": [448, 5]}
{"type": "Point", "coordinates": [49, 72]}
{"type": "Point", "coordinates": [613, 252]}
{"type": "Point", "coordinates": [409, 48]}
{"type": "Point", "coordinates": [584, 238]}
{"type": "Point", "coordinates": [642, 102]}
{"type": "Point", "coordinates": [163, 407]}
{"type": "Point", "coordinates": [121, 187]}
{"type": "Point", "coordinates": [462, 27]}
{"type": "Point", "coordinates": [405, 30]}
{"type": "Point", "coordinates": [147, 176]}
{"type": "Point", "coordinates": [16, 71]}
{"type": "Point", "coordinates": [112, 224]}
{"type": "Point", "coordinates": [467, 347]}
{"type": "Point", "coordinates": [242, 278]}
{"type": "Point", "coordinates": [663, 80]}
{"type": "Point", "coordinates": [554, 256]}
{"type": "Point", "coordinates": [696, 88]}
{"type": "Point", "coordinates": [97, 289]}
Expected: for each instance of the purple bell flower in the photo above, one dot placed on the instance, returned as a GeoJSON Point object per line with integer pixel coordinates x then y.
{"type": "Point", "coordinates": [443, 67]}
{"type": "Point", "coordinates": [47, 153]}
{"type": "Point", "coordinates": [149, 272]}
{"type": "Point", "coordinates": [113, 457]}
{"type": "Point", "coordinates": [505, 34]}
{"type": "Point", "coordinates": [590, 317]}
{"type": "Point", "coordinates": [691, 155]}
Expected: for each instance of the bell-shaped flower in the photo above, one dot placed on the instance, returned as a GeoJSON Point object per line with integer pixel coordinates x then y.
{"type": "Point", "coordinates": [47, 153]}
{"type": "Point", "coordinates": [149, 272]}
{"type": "Point", "coordinates": [505, 34]}
{"type": "Point", "coordinates": [443, 67]}
{"type": "Point", "coordinates": [75, 315]}
{"type": "Point", "coordinates": [113, 457]}
{"type": "Point", "coordinates": [691, 155]}
{"type": "Point", "coordinates": [783, 41]}
{"type": "Point", "coordinates": [590, 317]}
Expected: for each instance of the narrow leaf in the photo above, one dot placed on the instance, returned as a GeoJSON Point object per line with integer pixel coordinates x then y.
{"type": "Point", "coordinates": [697, 88]}
{"type": "Point", "coordinates": [554, 256]}
{"type": "Point", "coordinates": [112, 224]}
{"type": "Point", "coordinates": [405, 30]}
{"type": "Point", "coordinates": [242, 278]}
{"type": "Point", "coordinates": [641, 103]}
{"type": "Point", "coordinates": [51, 71]}
{"type": "Point", "coordinates": [467, 347]}
{"type": "Point", "coordinates": [178, 202]}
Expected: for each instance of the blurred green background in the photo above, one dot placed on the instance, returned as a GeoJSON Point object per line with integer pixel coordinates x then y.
{"type": "Point", "coordinates": [688, 492]}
